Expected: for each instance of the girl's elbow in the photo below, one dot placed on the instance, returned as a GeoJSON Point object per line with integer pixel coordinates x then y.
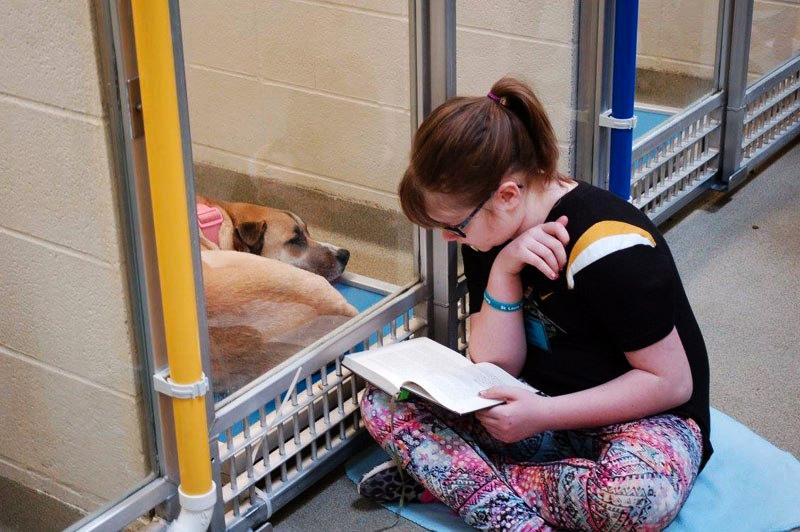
{"type": "Point", "coordinates": [683, 390]}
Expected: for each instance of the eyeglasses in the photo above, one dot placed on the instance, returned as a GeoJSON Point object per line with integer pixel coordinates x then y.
{"type": "Point", "coordinates": [458, 229]}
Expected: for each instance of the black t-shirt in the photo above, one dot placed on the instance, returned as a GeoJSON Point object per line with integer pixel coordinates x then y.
{"type": "Point", "coordinates": [619, 292]}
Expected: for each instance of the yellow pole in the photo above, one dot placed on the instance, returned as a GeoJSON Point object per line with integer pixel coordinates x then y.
{"type": "Point", "coordinates": [154, 53]}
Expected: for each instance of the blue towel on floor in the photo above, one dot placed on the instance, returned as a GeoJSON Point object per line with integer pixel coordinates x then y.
{"type": "Point", "coordinates": [748, 485]}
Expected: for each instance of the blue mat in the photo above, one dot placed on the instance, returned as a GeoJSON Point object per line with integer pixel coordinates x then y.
{"type": "Point", "coordinates": [647, 120]}
{"type": "Point", "coordinates": [748, 485]}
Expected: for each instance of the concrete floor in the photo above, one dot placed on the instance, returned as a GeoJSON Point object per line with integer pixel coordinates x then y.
{"type": "Point", "coordinates": [739, 257]}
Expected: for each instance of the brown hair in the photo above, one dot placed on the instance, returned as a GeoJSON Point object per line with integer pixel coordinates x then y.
{"type": "Point", "coordinates": [468, 144]}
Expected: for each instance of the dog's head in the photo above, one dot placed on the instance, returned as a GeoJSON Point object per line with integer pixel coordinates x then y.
{"type": "Point", "coordinates": [283, 236]}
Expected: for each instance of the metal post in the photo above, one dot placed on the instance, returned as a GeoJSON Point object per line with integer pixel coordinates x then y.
{"type": "Point", "coordinates": [595, 58]}
{"type": "Point", "coordinates": [168, 161]}
{"type": "Point", "coordinates": [434, 68]}
{"type": "Point", "coordinates": [626, 20]}
{"type": "Point", "coordinates": [741, 25]}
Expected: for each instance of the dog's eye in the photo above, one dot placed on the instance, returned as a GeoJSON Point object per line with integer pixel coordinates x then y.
{"type": "Point", "coordinates": [297, 241]}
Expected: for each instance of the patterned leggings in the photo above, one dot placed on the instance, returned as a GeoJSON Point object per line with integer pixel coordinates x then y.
{"type": "Point", "coordinates": [630, 476]}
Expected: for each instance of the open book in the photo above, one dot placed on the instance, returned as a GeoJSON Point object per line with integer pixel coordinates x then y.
{"type": "Point", "coordinates": [432, 371]}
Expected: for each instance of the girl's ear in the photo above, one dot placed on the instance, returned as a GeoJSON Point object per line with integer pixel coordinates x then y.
{"type": "Point", "coordinates": [508, 195]}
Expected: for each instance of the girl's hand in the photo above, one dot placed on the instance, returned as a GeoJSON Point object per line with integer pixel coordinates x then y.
{"type": "Point", "coordinates": [542, 247]}
{"type": "Point", "coordinates": [522, 415]}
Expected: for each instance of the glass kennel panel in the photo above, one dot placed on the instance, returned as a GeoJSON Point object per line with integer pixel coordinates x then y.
{"type": "Point", "coordinates": [676, 59]}
{"type": "Point", "coordinates": [774, 38]}
{"type": "Point", "coordinates": [303, 108]}
{"type": "Point", "coordinates": [772, 113]}
{"type": "Point", "coordinates": [533, 40]}
{"type": "Point", "coordinates": [276, 440]}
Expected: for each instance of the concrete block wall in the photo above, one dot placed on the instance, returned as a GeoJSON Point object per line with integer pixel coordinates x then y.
{"type": "Point", "coordinates": [309, 93]}
{"type": "Point", "coordinates": [71, 410]}
{"type": "Point", "coordinates": [316, 93]}
{"type": "Point", "coordinates": [535, 40]}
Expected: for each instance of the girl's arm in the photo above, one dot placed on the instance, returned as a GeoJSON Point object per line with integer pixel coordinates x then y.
{"type": "Point", "coordinates": [497, 336]}
{"type": "Point", "coordinates": [660, 380]}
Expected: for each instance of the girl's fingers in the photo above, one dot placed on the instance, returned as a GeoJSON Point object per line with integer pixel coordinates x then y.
{"type": "Point", "coordinates": [545, 253]}
{"type": "Point", "coordinates": [483, 417]}
{"type": "Point", "coordinates": [553, 245]}
{"type": "Point", "coordinates": [557, 230]}
{"type": "Point", "coordinates": [488, 424]}
{"type": "Point", "coordinates": [536, 261]}
{"type": "Point", "coordinates": [556, 247]}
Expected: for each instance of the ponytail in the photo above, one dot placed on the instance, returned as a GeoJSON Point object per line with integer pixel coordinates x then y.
{"type": "Point", "coordinates": [468, 144]}
{"type": "Point", "coordinates": [521, 101]}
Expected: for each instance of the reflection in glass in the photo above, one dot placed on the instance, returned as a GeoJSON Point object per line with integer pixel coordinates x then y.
{"type": "Point", "coordinates": [676, 56]}
{"type": "Point", "coordinates": [775, 37]}
{"type": "Point", "coordinates": [300, 122]}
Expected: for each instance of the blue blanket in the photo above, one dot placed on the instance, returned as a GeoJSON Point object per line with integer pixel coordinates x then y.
{"type": "Point", "coordinates": [748, 485]}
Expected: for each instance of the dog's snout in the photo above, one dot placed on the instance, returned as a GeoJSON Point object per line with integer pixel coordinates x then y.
{"type": "Point", "coordinates": [343, 256]}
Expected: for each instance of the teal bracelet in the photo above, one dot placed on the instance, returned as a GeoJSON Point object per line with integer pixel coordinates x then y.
{"type": "Point", "coordinates": [499, 305]}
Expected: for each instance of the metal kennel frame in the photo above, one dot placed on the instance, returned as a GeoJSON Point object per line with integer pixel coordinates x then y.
{"type": "Point", "coordinates": [290, 427]}
{"type": "Point", "coordinates": [714, 143]}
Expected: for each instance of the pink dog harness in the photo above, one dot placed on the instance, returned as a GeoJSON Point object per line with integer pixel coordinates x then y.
{"type": "Point", "coordinates": [210, 220]}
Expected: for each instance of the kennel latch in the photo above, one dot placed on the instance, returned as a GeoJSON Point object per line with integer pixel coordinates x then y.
{"type": "Point", "coordinates": [135, 107]}
{"type": "Point", "coordinates": [606, 120]}
{"type": "Point", "coordinates": [163, 384]}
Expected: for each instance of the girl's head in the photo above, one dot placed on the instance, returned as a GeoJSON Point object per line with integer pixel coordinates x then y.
{"type": "Point", "coordinates": [477, 158]}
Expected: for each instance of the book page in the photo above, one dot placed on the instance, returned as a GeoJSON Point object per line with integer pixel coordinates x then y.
{"type": "Point", "coordinates": [432, 371]}
{"type": "Point", "coordinates": [494, 375]}
{"type": "Point", "coordinates": [391, 366]}
{"type": "Point", "coordinates": [457, 388]}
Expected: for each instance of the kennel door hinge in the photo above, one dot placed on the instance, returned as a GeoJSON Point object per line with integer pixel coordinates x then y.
{"type": "Point", "coordinates": [163, 384]}
{"type": "Point", "coordinates": [135, 106]}
{"type": "Point", "coordinates": [606, 120]}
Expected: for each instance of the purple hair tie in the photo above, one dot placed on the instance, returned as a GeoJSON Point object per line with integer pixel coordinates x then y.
{"type": "Point", "coordinates": [493, 96]}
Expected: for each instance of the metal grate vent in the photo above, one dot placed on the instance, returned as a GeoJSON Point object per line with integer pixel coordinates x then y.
{"type": "Point", "coordinates": [671, 165]}
{"type": "Point", "coordinates": [772, 112]}
{"type": "Point", "coordinates": [269, 455]}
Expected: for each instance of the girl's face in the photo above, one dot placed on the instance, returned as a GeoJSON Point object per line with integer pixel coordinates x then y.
{"type": "Point", "coordinates": [483, 226]}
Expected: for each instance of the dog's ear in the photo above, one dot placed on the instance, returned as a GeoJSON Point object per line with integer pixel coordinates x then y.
{"type": "Point", "coordinates": [250, 236]}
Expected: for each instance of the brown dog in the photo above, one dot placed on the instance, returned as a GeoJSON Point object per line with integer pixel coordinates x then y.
{"type": "Point", "coordinates": [275, 234]}
{"type": "Point", "coordinates": [260, 311]}
{"type": "Point", "coordinates": [272, 298]}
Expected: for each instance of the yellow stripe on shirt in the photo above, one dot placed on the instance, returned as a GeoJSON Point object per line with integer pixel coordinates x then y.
{"type": "Point", "coordinates": [602, 239]}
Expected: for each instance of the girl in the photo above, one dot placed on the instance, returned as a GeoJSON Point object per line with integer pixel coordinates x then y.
{"type": "Point", "coordinates": [573, 290]}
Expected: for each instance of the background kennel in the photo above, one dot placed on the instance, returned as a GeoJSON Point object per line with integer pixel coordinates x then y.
{"type": "Point", "coordinates": [713, 140]}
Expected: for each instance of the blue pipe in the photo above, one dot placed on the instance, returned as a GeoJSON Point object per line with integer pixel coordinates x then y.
{"type": "Point", "coordinates": [623, 87]}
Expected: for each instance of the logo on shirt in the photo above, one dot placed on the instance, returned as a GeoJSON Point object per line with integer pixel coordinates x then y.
{"type": "Point", "coordinates": [539, 328]}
